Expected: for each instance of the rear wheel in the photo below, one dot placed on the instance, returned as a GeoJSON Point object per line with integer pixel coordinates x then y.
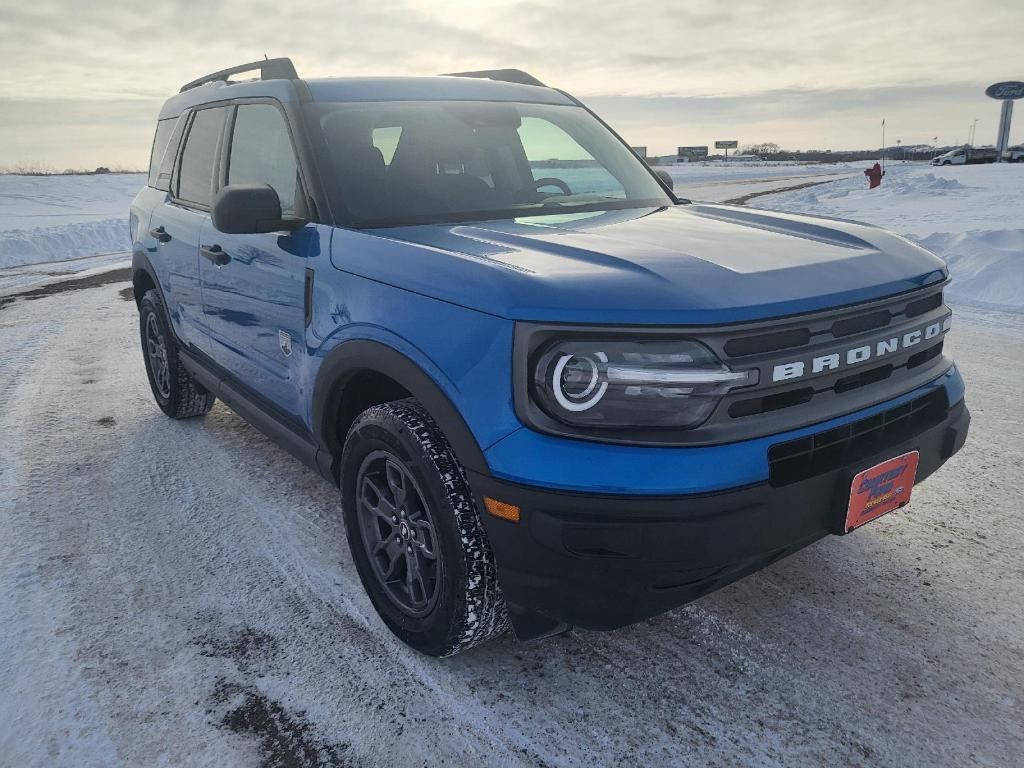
{"type": "Point", "coordinates": [415, 535]}
{"type": "Point", "coordinates": [178, 394]}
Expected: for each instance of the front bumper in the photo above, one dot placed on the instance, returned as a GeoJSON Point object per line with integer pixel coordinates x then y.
{"type": "Point", "coordinates": [604, 561]}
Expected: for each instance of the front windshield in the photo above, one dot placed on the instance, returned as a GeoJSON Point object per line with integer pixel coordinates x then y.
{"type": "Point", "coordinates": [399, 163]}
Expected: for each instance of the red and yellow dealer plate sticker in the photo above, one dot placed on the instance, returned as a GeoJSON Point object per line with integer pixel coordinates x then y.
{"type": "Point", "coordinates": [881, 489]}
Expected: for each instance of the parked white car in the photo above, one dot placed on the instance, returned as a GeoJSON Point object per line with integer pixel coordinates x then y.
{"type": "Point", "coordinates": [966, 156]}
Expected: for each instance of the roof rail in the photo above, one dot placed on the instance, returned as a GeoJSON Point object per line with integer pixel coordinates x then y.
{"type": "Point", "coordinates": [270, 69]}
{"type": "Point", "coordinates": [504, 75]}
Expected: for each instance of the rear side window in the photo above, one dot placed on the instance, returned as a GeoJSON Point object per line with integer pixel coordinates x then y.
{"type": "Point", "coordinates": [195, 175]}
{"type": "Point", "coordinates": [164, 128]}
{"type": "Point", "coordinates": [262, 153]}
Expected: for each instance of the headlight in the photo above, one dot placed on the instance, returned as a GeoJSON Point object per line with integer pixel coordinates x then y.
{"type": "Point", "coordinates": [671, 384]}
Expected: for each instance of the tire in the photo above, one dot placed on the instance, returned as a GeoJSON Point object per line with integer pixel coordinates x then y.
{"type": "Point", "coordinates": [405, 496]}
{"type": "Point", "coordinates": [178, 394]}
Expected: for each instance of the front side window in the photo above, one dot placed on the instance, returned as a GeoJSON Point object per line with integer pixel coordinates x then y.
{"type": "Point", "coordinates": [386, 140]}
{"type": "Point", "coordinates": [195, 175]}
{"type": "Point", "coordinates": [555, 155]}
{"type": "Point", "coordinates": [262, 153]}
{"type": "Point", "coordinates": [401, 163]}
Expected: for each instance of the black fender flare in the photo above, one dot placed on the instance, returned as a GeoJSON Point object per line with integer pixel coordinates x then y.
{"type": "Point", "coordinates": [141, 263]}
{"type": "Point", "coordinates": [351, 357]}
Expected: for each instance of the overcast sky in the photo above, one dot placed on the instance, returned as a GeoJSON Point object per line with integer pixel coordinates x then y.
{"type": "Point", "coordinates": [81, 82]}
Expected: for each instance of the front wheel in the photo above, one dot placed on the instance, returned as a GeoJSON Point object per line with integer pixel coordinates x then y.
{"type": "Point", "coordinates": [415, 535]}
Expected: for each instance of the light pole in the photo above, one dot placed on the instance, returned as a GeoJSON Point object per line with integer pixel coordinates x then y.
{"type": "Point", "coordinates": [883, 146]}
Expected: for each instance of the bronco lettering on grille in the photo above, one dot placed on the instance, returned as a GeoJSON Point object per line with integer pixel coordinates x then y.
{"type": "Point", "coordinates": [831, 361]}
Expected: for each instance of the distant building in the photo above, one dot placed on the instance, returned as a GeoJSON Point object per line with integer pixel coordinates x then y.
{"type": "Point", "coordinates": [640, 151]}
{"type": "Point", "coordinates": [686, 154]}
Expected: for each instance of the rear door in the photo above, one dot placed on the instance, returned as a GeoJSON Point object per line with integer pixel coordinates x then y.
{"type": "Point", "coordinates": [253, 292]}
{"type": "Point", "coordinates": [176, 224]}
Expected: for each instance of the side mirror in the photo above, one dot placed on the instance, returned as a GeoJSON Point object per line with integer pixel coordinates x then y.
{"type": "Point", "coordinates": [246, 209]}
{"type": "Point", "coordinates": [664, 175]}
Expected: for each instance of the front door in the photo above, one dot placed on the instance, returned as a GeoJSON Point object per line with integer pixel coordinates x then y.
{"type": "Point", "coordinates": [254, 285]}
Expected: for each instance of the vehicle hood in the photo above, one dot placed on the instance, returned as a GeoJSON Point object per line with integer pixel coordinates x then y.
{"type": "Point", "coordinates": [677, 265]}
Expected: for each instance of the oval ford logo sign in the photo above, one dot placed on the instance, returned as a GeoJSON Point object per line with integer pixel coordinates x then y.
{"type": "Point", "coordinates": [1011, 89]}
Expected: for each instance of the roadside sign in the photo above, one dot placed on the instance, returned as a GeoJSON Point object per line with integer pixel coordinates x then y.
{"type": "Point", "coordinates": [1010, 89]}
{"type": "Point", "coordinates": [726, 144]}
{"type": "Point", "coordinates": [1007, 92]}
{"type": "Point", "coordinates": [693, 153]}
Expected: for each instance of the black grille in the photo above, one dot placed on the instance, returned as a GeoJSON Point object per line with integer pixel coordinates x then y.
{"type": "Point", "coordinates": [857, 322]}
{"type": "Point", "coordinates": [776, 402]}
{"type": "Point", "coordinates": [862, 323]}
{"type": "Point", "coordinates": [922, 357]}
{"type": "Point", "coordinates": [797, 460]}
{"type": "Point", "coordinates": [768, 342]}
{"type": "Point", "coordinates": [927, 304]}
{"type": "Point", "coordinates": [789, 398]}
{"type": "Point", "coordinates": [863, 378]}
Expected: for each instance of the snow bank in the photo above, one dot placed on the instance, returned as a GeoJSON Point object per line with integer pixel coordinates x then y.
{"type": "Point", "coordinates": [971, 216]}
{"type": "Point", "coordinates": [67, 241]}
{"type": "Point", "coordinates": [55, 218]}
{"type": "Point", "coordinates": [987, 267]}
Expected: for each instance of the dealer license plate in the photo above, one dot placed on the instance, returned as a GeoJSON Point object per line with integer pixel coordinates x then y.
{"type": "Point", "coordinates": [881, 489]}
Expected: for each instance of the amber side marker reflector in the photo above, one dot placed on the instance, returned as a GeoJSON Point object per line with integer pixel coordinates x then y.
{"type": "Point", "coordinates": [501, 509]}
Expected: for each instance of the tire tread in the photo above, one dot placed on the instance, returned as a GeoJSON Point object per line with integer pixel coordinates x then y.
{"type": "Point", "coordinates": [484, 615]}
{"type": "Point", "coordinates": [188, 397]}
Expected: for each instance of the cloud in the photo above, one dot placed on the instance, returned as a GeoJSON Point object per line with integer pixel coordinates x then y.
{"type": "Point", "coordinates": [807, 118]}
{"type": "Point", "coordinates": [803, 71]}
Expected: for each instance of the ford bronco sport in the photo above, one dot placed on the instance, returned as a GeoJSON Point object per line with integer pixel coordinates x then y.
{"type": "Point", "coordinates": [552, 394]}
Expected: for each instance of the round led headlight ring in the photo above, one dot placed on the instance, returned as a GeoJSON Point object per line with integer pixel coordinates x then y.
{"type": "Point", "coordinates": [576, 381]}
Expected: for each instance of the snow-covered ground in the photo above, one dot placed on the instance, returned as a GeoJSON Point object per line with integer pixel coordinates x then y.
{"type": "Point", "coordinates": [180, 594]}
{"type": "Point", "coordinates": [702, 173]}
{"type": "Point", "coordinates": [56, 218]}
{"type": "Point", "coordinates": [972, 216]}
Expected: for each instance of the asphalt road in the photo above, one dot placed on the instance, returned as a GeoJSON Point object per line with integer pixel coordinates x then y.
{"type": "Point", "coordinates": [180, 593]}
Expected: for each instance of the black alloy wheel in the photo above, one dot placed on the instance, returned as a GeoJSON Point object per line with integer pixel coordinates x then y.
{"type": "Point", "coordinates": [398, 533]}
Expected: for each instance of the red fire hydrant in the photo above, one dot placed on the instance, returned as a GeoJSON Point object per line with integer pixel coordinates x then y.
{"type": "Point", "coordinates": [874, 174]}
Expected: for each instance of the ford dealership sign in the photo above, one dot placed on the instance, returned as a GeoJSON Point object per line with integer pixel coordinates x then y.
{"type": "Point", "coordinates": [1011, 89]}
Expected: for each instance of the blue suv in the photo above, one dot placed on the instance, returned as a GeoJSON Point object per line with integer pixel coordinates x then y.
{"type": "Point", "coordinates": [551, 392]}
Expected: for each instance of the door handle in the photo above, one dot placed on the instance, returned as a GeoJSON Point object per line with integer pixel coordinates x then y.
{"type": "Point", "coordinates": [160, 234]}
{"type": "Point", "coordinates": [215, 253]}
